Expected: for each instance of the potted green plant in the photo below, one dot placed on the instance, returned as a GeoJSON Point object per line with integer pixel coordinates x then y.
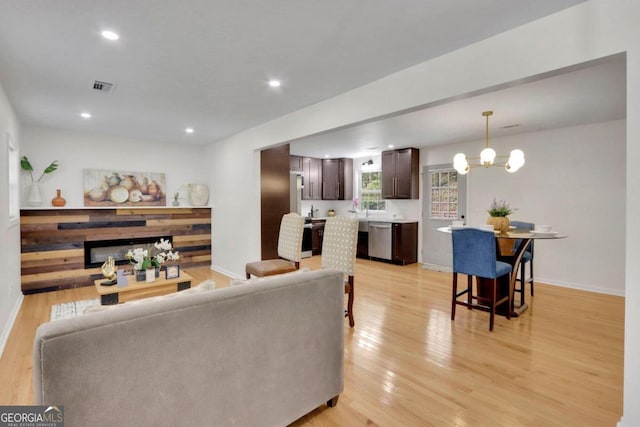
{"type": "Point", "coordinates": [499, 212]}
{"type": "Point", "coordinates": [35, 198]}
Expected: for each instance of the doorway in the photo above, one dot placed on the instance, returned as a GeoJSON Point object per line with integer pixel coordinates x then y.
{"type": "Point", "coordinates": [445, 200]}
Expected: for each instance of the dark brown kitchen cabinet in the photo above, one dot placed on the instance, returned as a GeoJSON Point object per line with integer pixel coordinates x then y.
{"type": "Point", "coordinates": [295, 163]}
{"type": "Point", "coordinates": [401, 174]}
{"type": "Point", "coordinates": [404, 243]}
{"type": "Point", "coordinates": [312, 173]}
{"type": "Point", "coordinates": [362, 249]}
{"type": "Point", "coordinates": [337, 179]}
{"type": "Point", "coordinates": [317, 236]}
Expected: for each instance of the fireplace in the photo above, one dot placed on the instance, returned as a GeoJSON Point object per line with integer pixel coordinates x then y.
{"type": "Point", "coordinates": [96, 252]}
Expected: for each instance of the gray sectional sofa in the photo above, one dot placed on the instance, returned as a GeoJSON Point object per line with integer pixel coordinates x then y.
{"type": "Point", "coordinates": [263, 353]}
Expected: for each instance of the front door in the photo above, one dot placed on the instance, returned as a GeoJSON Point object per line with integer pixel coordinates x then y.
{"type": "Point", "coordinates": [444, 200]}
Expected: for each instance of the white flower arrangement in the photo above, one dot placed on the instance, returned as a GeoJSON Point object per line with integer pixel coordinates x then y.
{"type": "Point", "coordinates": [142, 259]}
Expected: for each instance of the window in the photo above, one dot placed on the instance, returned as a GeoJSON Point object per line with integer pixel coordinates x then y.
{"type": "Point", "coordinates": [371, 191]}
{"type": "Point", "coordinates": [13, 170]}
{"type": "Point", "coordinates": [444, 195]}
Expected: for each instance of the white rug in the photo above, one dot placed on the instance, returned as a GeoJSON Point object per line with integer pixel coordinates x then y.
{"type": "Point", "coordinates": [71, 309]}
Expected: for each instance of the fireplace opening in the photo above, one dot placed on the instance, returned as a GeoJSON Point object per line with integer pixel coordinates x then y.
{"type": "Point", "coordinates": [96, 252]}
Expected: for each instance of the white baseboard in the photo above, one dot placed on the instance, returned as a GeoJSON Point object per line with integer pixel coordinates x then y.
{"type": "Point", "coordinates": [620, 422]}
{"type": "Point", "coordinates": [226, 272]}
{"type": "Point", "coordinates": [580, 287]}
{"type": "Point", "coordinates": [9, 326]}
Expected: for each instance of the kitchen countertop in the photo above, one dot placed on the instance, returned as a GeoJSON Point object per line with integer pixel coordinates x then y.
{"type": "Point", "coordinates": [390, 220]}
{"type": "Point", "coordinates": [374, 219]}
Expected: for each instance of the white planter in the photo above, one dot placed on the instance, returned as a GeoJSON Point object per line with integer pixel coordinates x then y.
{"type": "Point", "coordinates": [35, 197]}
{"type": "Point", "coordinates": [151, 275]}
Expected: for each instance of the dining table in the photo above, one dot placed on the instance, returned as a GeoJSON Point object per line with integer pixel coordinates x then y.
{"type": "Point", "coordinates": [509, 252]}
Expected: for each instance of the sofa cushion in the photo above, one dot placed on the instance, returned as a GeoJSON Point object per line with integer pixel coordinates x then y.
{"type": "Point", "coordinates": [235, 282]}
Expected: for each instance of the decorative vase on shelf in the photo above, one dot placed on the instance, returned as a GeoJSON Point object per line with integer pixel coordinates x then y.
{"type": "Point", "coordinates": [198, 194]}
{"type": "Point", "coordinates": [35, 197]}
{"type": "Point", "coordinates": [58, 201]}
{"type": "Point", "coordinates": [150, 275]}
{"type": "Point", "coordinates": [500, 223]}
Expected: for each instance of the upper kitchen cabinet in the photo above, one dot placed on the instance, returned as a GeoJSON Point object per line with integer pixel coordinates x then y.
{"type": "Point", "coordinates": [312, 173]}
{"type": "Point", "coordinates": [401, 174]}
{"type": "Point", "coordinates": [337, 179]}
{"type": "Point", "coordinates": [295, 163]}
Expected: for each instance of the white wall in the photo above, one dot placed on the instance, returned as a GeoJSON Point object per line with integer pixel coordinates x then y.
{"type": "Point", "coordinates": [181, 164]}
{"type": "Point", "coordinates": [588, 31]}
{"type": "Point", "coordinates": [574, 180]}
{"type": "Point", "coordinates": [10, 295]}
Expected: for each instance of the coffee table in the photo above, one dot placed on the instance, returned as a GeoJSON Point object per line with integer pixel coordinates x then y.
{"type": "Point", "coordinates": [110, 295]}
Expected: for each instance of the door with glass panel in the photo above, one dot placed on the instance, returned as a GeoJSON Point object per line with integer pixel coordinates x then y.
{"type": "Point", "coordinates": [444, 200]}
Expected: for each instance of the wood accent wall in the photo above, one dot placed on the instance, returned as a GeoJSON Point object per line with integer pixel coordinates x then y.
{"type": "Point", "coordinates": [52, 240]}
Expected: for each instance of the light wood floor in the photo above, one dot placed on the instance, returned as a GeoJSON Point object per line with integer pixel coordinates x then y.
{"type": "Point", "coordinates": [407, 364]}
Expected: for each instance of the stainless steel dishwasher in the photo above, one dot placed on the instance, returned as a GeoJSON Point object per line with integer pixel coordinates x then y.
{"type": "Point", "coordinates": [380, 240]}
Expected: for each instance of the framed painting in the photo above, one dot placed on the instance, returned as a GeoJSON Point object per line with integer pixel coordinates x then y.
{"type": "Point", "coordinates": [105, 187]}
{"type": "Point", "coordinates": [172, 272]}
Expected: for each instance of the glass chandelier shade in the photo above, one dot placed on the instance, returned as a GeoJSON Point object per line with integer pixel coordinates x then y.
{"type": "Point", "coordinates": [488, 156]}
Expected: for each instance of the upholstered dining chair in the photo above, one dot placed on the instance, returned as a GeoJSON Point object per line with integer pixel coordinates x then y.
{"type": "Point", "coordinates": [289, 250]}
{"type": "Point", "coordinates": [527, 257]}
{"type": "Point", "coordinates": [339, 252]}
{"type": "Point", "coordinates": [475, 254]}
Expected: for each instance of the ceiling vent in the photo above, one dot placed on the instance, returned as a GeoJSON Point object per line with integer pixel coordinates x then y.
{"type": "Point", "coordinates": [102, 86]}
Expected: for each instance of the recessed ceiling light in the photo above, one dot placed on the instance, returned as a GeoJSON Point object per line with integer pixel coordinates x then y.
{"type": "Point", "coordinates": [85, 115]}
{"type": "Point", "coordinates": [326, 156]}
{"type": "Point", "coordinates": [390, 146]}
{"type": "Point", "coordinates": [189, 130]}
{"type": "Point", "coordinates": [274, 83]}
{"type": "Point", "coordinates": [110, 35]}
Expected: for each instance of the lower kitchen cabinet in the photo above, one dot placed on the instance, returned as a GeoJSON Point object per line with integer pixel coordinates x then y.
{"type": "Point", "coordinates": [363, 245]}
{"type": "Point", "coordinates": [317, 235]}
{"type": "Point", "coordinates": [404, 241]}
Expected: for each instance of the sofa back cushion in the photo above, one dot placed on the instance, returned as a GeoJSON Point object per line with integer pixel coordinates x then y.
{"type": "Point", "coordinates": [264, 354]}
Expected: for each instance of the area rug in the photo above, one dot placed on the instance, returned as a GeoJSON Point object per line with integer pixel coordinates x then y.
{"type": "Point", "coordinates": [71, 309]}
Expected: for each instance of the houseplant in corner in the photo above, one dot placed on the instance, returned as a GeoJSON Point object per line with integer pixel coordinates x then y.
{"type": "Point", "coordinates": [499, 215]}
{"type": "Point", "coordinates": [35, 198]}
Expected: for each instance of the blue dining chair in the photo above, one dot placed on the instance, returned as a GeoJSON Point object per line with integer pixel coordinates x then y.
{"type": "Point", "coordinates": [475, 254]}
{"type": "Point", "coordinates": [527, 257]}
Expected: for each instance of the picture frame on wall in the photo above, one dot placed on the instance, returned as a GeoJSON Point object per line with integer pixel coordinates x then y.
{"type": "Point", "coordinates": [106, 187]}
{"type": "Point", "coordinates": [172, 272]}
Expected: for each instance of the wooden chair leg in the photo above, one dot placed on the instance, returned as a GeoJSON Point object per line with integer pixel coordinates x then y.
{"type": "Point", "coordinates": [248, 275]}
{"type": "Point", "coordinates": [531, 274]}
{"type": "Point", "coordinates": [523, 286]}
{"type": "Point", "coordinates": [352, 322]}
{"type": "Point", "coordinates": [469, 289]}
{"type": "Point", "coordinates": [453, 296]}
{"type": "Point", "coordinates": [493, 305]}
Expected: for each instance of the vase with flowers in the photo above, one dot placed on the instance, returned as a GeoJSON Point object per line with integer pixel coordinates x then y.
{"type": "Point", "coordinates": [147, 262]}
{"type": "Point", "coordinates": [499, 215]}
{"type": "Point", "coordinates": [35, 198]}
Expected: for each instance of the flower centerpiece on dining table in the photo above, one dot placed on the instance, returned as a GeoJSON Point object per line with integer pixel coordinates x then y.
{"type": "Point", "coordinates": [499, 212]}
{"type": "Point", "coordinates": [144, 259]}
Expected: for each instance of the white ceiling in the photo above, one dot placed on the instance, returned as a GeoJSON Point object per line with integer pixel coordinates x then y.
{"type": "Point", "coordinates": [586, 93]}
{"type": "Point", "coordinates": [205, 64]}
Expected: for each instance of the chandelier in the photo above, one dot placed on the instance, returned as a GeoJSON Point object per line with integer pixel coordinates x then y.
{"type": "Point", "coordinates": [488, 157]}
